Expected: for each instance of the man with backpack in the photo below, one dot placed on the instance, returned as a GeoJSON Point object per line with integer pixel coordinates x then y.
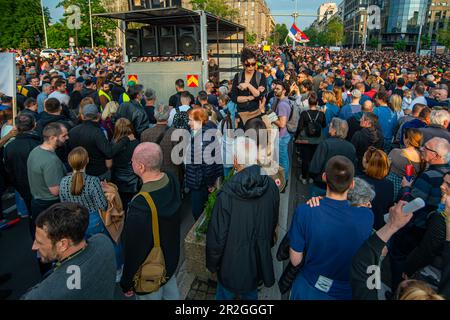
{"type": "Point", "coordinates": [178, 117]}
{"type": "Point", "coordinates": [283, 110]}
{"type": "Point", "coordinates": [143, 232]}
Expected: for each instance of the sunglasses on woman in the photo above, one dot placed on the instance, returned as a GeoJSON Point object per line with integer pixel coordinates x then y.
{"type": "Point", "coordinates": [250, 64]}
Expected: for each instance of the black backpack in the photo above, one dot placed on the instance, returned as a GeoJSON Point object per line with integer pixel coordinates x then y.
{"type": "Point", "coordinates": [181, 119]}
{"type": "Point", "coordinates": [313, 129]}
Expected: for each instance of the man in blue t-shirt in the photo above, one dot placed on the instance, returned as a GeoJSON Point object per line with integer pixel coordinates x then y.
{"type": "Point", "coordinates": [387, 119]}
{"type": "Point", "coordinates": [327, 237]}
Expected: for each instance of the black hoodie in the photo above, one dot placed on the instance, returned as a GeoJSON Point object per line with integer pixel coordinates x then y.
{"type": "Point", "coordinates": [137, 236]}
{"type": "Point", "coordinates": [241, 231]}
{"type": "Point", "coordinates": [365, 138]}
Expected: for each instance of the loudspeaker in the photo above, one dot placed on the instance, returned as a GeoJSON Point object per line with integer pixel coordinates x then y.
{"type": "Point", "coordinates": [133, 41]}
{"type": "Point", "coordinates": [167, 41]}
{"type": "Point", "coordinates": [188, 39]}
{"type": "Point", "coordinates": [149, 41]}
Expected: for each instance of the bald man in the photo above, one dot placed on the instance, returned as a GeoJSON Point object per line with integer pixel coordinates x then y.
{"type": "Point", "coordinates": [137, 236]}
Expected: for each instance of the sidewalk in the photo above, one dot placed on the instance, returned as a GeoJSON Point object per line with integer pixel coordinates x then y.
{"type": "Point", "coordinates": [192, 288]}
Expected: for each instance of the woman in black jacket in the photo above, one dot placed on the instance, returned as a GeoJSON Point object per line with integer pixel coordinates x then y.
{"type": "Point", "coordinates": [369, 135]}
{"type": "Point", "coordinates": [309, 135]}
{"type": "Point", "coordinates": [200, 176]}
{"type": "Point", "coordinates": [122, 171]}
{"type": "Point", "coordinates": [376, 169]}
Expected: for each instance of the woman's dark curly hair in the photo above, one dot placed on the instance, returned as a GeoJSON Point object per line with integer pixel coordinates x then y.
{"type": "Point", "coordinates": [247, 54]}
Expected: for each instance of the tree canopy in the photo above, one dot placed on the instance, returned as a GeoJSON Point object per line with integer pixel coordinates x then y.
{"type": "Point", "coordinates": [279, 34]}
{"type": "Point", "coordinates": [59, 33]}
{"type": "Point", "coordinates": [21, 25]}
{"type": "Point", "coordinates": [216, 7]}
{"type": "Point", "coordinates": [332, 35]}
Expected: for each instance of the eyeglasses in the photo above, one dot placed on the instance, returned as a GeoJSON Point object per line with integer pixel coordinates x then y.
{"type": "Point", "coordinates": [431, 150]}
{"type": "Point", "coordinates": [250, 64]}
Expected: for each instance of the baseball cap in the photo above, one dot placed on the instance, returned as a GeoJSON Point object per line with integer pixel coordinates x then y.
{"type": "Point", "coordinates": [90, 109]}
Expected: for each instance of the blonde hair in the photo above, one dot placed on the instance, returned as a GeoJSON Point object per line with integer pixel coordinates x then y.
{"type": "Point", "coordinates": [416, 290]}
{"type": "Point", "coordinates": [396, 102]}
{"type": "Point", "coordinates": [78, 159]}
{"type": "Point", "coordinates": [211, 113]}
{"type": "Point", "coordinates": [110, 109]}
{"type": "Point", "coordinates": [377, 163]}
{"type": "Point", "coordinates": [122, 128]}
{"type": "Point", "coordinates": [329, 96]}
{"type": "Point", "coordinates": [338, 94]}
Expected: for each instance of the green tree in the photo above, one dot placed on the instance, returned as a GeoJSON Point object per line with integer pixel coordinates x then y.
{"type": "Point", "coordinates": [334, 32]}
{"type": "Point", "coordinates": [374, 42]}
{"type": "Point", "coordinates": [313, 36]}
{"type": "Point", "coordinates": [279, 34]}
{"type": "Point", "coordinates": [251, 38]}
{"type": "Point", "coordinates": [443, 37]}
{"type": "Point", "coordinates": [400, 45]}
{"type": "Point", "coordinates": [426, 42]}
{"type": "Point", "coordinates": [102, 28]}
{"type": "Point", "coordinates": [216, 7]}
{"type": "Point", "coordinates": [21, 25]}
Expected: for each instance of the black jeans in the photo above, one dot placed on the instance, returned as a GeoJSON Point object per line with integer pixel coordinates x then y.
{"type": "Point", "coordinates": [198, 200]}
{"type": "Point", "coordinates": [38, 206]}
{"type": "Point", "coordinates": [306, 154]}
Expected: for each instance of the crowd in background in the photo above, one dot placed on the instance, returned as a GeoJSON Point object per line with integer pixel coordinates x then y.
{"type": "Point", "coordinates": [370, 131]}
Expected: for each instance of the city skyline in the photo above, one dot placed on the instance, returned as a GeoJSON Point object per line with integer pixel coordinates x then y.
{"type": "Point", "coordinates": [276, 7]}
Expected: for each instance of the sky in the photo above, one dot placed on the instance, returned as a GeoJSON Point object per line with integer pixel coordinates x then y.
{"type": "Point", "coordinates": [276, 7]}
{"type": "Point", "coordinates": [288, 6]}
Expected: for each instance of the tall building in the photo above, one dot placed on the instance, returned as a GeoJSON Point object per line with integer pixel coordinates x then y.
{"type": "Point", "coordinates": [253, 14]}
{"type": "Point", "coordinates": [325, 12]}
{"type": "Point", "coordinates": [402, 21]}
{"type": "Point", "coordinates": [116, 6]}
{"type": "Point", "coordinates": [354, 22]}
{"type": "Point", "coordinates": [438, 18]}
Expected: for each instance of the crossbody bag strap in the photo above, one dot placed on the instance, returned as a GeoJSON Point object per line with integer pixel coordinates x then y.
{"type": "Point", "coordinates": [155, 225]}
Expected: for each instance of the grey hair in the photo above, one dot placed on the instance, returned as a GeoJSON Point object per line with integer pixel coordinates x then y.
{"type": "Point", "coordinates": [245, 151]}
{"type": "Point", "coordinates": [162, 113]}
{"type": "Point", "coordinates": [362, 193]}
{"type": "Point", "coordinates": [341, 127]}
{"type": "Point", "coordinates": [45, 86]}
{"type": "Point", "coordinates": [150, 94]}
{"type": "Point", "coordinates": [223, 90]}
{"type": "Point", "coordinates": [442, 147]}
{"type": "Point", "coordinates": [439, 117]}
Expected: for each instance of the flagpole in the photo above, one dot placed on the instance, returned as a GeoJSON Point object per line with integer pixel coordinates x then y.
{"type": "Point", "coordinates": [45, 25]}
{"type": "Point", "coordinates": [295, 20]}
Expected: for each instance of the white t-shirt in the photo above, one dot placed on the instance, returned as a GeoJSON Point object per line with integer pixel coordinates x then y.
{"type": "Point", "coordinates": [62, 97]}
{"type": "Point", "coordinates": [420, 99]}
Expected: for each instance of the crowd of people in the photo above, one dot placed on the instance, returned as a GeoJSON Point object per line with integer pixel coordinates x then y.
{"type": "Point", "coordinates": [91, 162]}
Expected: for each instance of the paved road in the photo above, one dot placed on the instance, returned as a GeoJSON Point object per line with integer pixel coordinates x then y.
{"type": "Point", "coordinates": [17, 257]}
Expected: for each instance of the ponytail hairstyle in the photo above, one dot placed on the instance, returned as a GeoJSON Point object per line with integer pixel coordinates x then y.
{"type": "Point", "coordinates": [78, 160]}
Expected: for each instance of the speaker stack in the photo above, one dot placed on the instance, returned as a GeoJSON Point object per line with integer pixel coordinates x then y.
{"type": "Point", "coordinates": [164, 41]}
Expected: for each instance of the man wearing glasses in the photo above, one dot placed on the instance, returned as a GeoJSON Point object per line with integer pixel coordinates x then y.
{"type": "Point", "coordinates": [249, 87]}
{"type": "Point", "coordinates": [436, 153]}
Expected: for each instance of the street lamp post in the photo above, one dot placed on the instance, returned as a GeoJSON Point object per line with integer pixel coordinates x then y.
{"type": "Point", "coordinates": [45, 24]}
{"type": "Point", "coordinates": [90, 21]}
